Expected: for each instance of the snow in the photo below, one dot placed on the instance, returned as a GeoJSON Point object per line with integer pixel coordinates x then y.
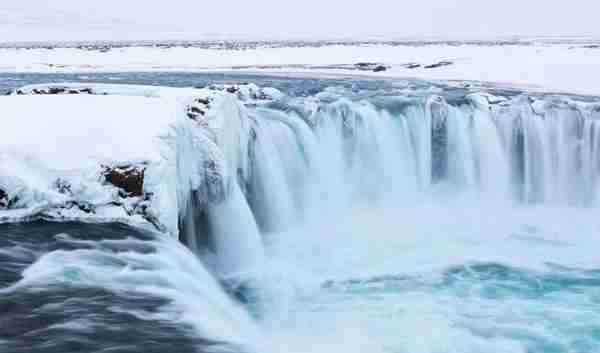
{"type": "Point", "coordinates": [565, 67]}
{"type": "Point", "coordinates": [75, 131]}
{"type": "Point", "coordinates": [69, 139]}
{"type": "Point", "coordinates": [59, 141]}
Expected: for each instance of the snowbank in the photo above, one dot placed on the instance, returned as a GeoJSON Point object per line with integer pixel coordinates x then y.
{"type": "Point", "coordinates": [559, 67]}
{"type": "Point", "coordinates": [109, 152]}
{"type": "Point", "coordinates": [79, 131]}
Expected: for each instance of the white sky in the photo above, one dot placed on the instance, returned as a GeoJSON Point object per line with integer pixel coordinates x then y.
{"type": "Point", "coordinates": [134, 19]}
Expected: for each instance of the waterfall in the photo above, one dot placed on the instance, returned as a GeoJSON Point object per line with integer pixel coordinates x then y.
{"type": "Point", "coordinates": [236, 239]}
{"type": "Point", "coordinates": [309, 159]}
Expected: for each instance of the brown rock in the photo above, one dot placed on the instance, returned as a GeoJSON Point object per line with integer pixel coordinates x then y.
{"type": "Point", "coordinates": [128, 178]}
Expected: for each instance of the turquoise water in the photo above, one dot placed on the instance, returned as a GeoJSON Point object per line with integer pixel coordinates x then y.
{"type": "Point", "coordinates": [434, 276]}
{"type": "Point", "coordinates": [438, 279]}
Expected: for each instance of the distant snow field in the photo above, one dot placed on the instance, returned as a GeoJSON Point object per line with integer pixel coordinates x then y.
{"type": "Point", "coordinates": [556, 67]}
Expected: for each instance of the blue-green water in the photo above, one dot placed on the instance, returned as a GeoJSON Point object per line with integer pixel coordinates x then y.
{"type": "Point", "coordinates": [526, 281]}
{"type": "Point", "coordinates": [454, 277]}
{"type": "Point", "coordinates": [293, 86]}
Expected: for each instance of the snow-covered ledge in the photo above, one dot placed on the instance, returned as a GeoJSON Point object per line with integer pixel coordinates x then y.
{"type": "Point", "coordinates": [133, 154]}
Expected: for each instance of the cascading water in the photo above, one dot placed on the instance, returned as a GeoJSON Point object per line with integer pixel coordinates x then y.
{"type": "Point", "coordinates": [237, 242]}
{"type": "Point", "coordinates": [359, 221]}
{"type": "Point", "coordinates": [392, 218]}
{"type": "Point", "coordinates": [69, 287]}
{"type": "Point", "coordinates": [329, 156]}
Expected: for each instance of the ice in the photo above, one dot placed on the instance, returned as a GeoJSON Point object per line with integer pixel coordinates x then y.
{"type": "Point", "coordinates": [559, 66]}
{"type": "Point", "coordinates": [296, 162]}
{"type": "Point", "coordinates": [55, 149]}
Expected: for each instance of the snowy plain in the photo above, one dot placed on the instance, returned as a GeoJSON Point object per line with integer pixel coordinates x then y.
{"type": "Point", "coordinates": [562, 67]}
{"type": "Point", "coordinates": [95, 127]}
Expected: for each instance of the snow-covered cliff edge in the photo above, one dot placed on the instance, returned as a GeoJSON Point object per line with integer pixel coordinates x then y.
{"type": "Point", "coordinates": [108, 152]}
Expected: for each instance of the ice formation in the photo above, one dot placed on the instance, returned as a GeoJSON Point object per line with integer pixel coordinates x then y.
{"type": "Point", "coordinates": [224, 164]}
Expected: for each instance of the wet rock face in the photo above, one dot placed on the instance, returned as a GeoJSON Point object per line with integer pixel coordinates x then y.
{"type": "Point", "coordinates": [129, 178]}
{"type": "Point", "coordinates": [3, 200]}
{"type": "Point", "coordinates": [199, 108]}
{"type": "Point", "coordinates": [6, 201]}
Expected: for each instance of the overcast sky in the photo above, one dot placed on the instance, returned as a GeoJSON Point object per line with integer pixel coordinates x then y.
{"type": "Point", "coordinates": [132, 19]}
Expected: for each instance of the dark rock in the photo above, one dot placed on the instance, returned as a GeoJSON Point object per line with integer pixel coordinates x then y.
{"type": "Point", "coordinates": [56, 90]}
{"type": "Point", "coordinates": [6, 202]}
{"type": "Point", "coordinates": [411, 66]}
{"type": "Point", "coordinates": [3, 200]}
{"type": "Point", "coordinates": [128, 178]}
{"type": "Point", "coordinates": [82, 206]}
{"type": "Point", "coordinates": [63, 186]}
{"type": "Point", "coordinates": [49, 90]}
{"type": "Point", "coordinates": [364, 65]}
{"type": "Point", "coordinates": [439, 64]}
{"type": "Point", "coordinates": [194, 112]}
{"type": "Point", "coordinates": [197, 110]}
{"type": "Point", "coordinates": [375, 67]}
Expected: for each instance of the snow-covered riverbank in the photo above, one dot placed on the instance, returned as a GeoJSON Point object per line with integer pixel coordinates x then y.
{"type": "Point", "coordinates": [548, 66]}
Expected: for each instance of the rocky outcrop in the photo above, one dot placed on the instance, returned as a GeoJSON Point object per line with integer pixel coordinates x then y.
{"type": "Point", "coordinates": [438, 64]}
{"type": "Point", "coordinates": [411, 65]}
{"type": "Point", "coordinates": [128, 178]}
{"type": "Point", "coordinates": [3, 200]}
{"type": "Point", "coordinates": [54, 90]}
{"type": "Point", "coordinates": [366, 66]}
{"type": "Point", "coordinates": [248, 91]}
{"type": "Point", "coordinates": [198, 108]}
{"type": "Point", "coordinates": [7, 201]}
